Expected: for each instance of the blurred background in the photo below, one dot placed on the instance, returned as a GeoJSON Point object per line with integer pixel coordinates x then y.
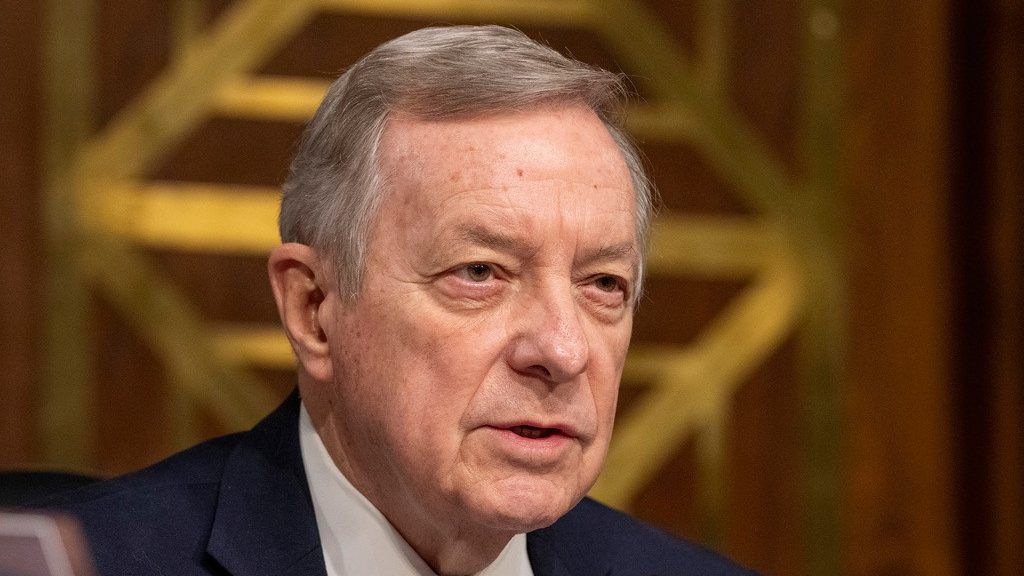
{"type": "Point", "coordinates": [827, 374]}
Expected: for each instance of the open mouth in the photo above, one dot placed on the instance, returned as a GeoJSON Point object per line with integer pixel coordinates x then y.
{"type": "Point", "coordinates": [534, 432]}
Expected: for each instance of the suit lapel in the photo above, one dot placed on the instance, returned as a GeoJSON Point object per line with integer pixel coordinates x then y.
{"type": "Point", "coordinates": [264, 524]}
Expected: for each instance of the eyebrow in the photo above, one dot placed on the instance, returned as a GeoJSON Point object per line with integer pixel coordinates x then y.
{"type": "Point", "coordinates": [502, 242]}
{"type": "Point", "coordinates": [608, 253]}
{"type": "Point", "coordinates": [492, 239]}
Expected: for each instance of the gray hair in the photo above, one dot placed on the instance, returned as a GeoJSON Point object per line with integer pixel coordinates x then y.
{"type": "Point", "coordinates": [334, 188]}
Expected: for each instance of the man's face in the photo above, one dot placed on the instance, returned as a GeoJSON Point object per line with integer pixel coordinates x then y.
{"type": "Point", "coordinates": [475, 377]}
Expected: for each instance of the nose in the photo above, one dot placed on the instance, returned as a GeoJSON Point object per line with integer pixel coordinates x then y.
{"type": "Point", "coordinates": [549, 340]}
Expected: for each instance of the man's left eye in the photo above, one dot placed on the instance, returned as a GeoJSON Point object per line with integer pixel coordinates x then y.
{"type": "Point", "coordinates": [608, 283]}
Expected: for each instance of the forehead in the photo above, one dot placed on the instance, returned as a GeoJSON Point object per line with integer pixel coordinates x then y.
{"type": "Point", "coordinates": [563, 148]}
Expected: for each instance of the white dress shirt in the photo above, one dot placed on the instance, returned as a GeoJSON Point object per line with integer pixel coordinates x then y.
{"type": "Point", "coordinates": [357, 539]}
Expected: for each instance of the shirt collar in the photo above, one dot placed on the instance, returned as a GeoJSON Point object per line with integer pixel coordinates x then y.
{"type": "Point", "coordinates": [357, 539]}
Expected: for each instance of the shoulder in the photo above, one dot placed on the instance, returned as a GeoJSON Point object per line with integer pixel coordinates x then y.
{"type": "Point", "coordinates": [135, 519]}
{"type": "Point", "coordinates": [593, 537]}
{"type": "Point", "coordinates": [200, 465]}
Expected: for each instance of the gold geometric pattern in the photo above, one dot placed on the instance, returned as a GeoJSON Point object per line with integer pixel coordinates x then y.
{"type": "Point", "coordinates": [689, 387]}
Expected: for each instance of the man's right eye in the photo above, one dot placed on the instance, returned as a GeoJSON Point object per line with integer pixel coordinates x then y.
{"type": "Point", "coordinates": [477, 272]}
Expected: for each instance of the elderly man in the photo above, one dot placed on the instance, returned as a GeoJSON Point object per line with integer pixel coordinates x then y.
{"type": "Point", "coordinates": [463, 239]}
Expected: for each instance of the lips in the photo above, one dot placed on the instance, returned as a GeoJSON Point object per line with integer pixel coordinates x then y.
{"type": "Point", "coordinates": [531, 429]}
{"type": "Point", "coordinates": [534, 432]}
{"type": "Point", "coordinates": [532, 445]}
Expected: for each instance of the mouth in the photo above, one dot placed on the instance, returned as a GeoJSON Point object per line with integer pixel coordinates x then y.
{"type": "Point", "coordinates": [535, 432]}
{"type": "Point", "coordinates": [533, 445]}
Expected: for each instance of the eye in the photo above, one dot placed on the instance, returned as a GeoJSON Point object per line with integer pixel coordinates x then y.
{"type": "Point", "coordinates": [472, 285]}
{"type": "Point", "coordinates": [607, 283]}
{"type": "Point", "coordinates": [608, 292]}
{"type": "Point", "coordinates": [477, 272]}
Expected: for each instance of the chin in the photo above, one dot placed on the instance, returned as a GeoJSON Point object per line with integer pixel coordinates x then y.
{"type": "Point", "coordinates": [524, 505]}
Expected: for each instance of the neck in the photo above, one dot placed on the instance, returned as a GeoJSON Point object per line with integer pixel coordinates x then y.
{"type": "Point", "coordinates": [449, 547]}
{"type": "Point", "coordinates": [462, 555]}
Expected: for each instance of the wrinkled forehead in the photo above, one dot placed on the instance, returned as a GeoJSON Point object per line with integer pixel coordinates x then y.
{"type": "Point", "coordinates": [569, 143]}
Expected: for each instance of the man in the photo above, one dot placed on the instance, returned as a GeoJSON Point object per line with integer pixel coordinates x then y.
{"type": "Point", "coordinates": [464, 232]}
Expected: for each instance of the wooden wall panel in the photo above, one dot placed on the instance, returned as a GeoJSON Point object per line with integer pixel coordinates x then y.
{"type": "Point", "coordinates": [899, 509]}
{"type": "Point", "coordinates": [132, 398]}
{"type": "Point", "coordinates": [687, 183]}
{"type": "Point", "coordinates": [20, 232]}
{"type": "Point", "coordinates": [134, 46]}
{"type": "Point", "coordinates": [767, 68]}
{"type": "Point", "coordinates": [766, 475]}
{"type": "Point", "coordinates": [1007, 120]}
{"type": "Point", "coordinates": [989, 88]}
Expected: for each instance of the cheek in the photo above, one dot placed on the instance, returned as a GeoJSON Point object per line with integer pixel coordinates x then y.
{"type": "Point", "coordinates": [606, 395]}
{"type": "Point", "coordinates": [608, 362]}
{"type": "Point", "coordinates": [463, 342]}
{"type": "Point", "coordinates": [431, 366]}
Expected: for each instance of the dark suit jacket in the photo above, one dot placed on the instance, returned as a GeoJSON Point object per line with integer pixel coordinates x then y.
{"type": "Point", "coordinates": [240, 505]}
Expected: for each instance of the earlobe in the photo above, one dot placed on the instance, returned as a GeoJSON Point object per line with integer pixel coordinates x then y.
{"type": "Point", "coordinates": [298, 282]}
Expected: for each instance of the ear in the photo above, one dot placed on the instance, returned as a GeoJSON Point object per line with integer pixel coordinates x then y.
{"type": "Point", "coordinates": [299, 282]}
